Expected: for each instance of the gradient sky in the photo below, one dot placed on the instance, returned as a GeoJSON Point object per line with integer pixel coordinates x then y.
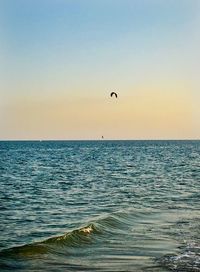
{"type": "Point", "coordinates": [60, 59]}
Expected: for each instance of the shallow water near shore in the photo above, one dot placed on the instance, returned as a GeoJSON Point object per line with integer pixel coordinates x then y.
{"type": "Point", "coordinates": [100, 206]}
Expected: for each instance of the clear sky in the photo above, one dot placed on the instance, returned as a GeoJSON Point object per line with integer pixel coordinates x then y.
{"type": "Point", "coordinates": [60, 59]}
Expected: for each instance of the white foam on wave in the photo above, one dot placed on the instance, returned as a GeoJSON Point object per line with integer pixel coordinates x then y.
{"type": "Point", "coordinates": [188, 260]}
{"type": "Point", "coordinates": [87, 230]}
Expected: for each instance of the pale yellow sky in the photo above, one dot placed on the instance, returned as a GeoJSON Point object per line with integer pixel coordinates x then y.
{"type": "Point", "coordinates": [152, 112]}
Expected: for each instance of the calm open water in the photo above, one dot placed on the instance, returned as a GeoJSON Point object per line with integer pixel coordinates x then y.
{"type": "Point", "coordinates": [100, 206]}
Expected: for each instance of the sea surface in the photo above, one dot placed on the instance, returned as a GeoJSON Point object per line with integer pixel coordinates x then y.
{"type": "Point", "coordinates": [100, 206]}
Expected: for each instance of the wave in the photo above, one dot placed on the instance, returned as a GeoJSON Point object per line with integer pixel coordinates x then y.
{"type": "Point", "coordinates": [74, 238]}
{"type": "Point", "coordinates": [88, 234]}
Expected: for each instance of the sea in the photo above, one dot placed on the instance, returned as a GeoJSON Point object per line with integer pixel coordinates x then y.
{"type": "Point", "coordinates": [100, 206]}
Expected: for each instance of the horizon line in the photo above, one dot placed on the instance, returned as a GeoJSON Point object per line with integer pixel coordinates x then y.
{"type": "Point", "coordinates": [87, 140]}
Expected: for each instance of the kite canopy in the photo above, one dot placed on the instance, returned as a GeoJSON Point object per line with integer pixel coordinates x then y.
{"type": "Point", "coordinates": [113, 94]}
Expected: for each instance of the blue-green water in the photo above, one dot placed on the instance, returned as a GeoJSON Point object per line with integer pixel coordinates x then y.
{"type": "Point", "coordinates": [100, 206]}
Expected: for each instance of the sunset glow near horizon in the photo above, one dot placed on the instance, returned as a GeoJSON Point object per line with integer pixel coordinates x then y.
{"type": "Point", "coordinates": [60, 60]}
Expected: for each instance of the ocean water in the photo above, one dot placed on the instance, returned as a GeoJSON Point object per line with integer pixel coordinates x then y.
{"type": "Point", "coordinates": [100, 206]}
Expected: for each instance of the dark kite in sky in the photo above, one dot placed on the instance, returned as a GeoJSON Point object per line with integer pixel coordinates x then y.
{"type": "Point", "coordinates": [113, 93]}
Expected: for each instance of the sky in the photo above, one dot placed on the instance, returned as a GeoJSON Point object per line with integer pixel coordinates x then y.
{"type": "Point", "coordinates": [60, 59]}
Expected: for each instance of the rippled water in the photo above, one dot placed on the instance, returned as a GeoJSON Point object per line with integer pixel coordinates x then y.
{"type": "Point", "coordinates": [100, 206]}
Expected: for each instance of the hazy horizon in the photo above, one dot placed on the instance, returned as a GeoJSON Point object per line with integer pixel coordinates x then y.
{"type": "Point", "coordinates": [99, 140]}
